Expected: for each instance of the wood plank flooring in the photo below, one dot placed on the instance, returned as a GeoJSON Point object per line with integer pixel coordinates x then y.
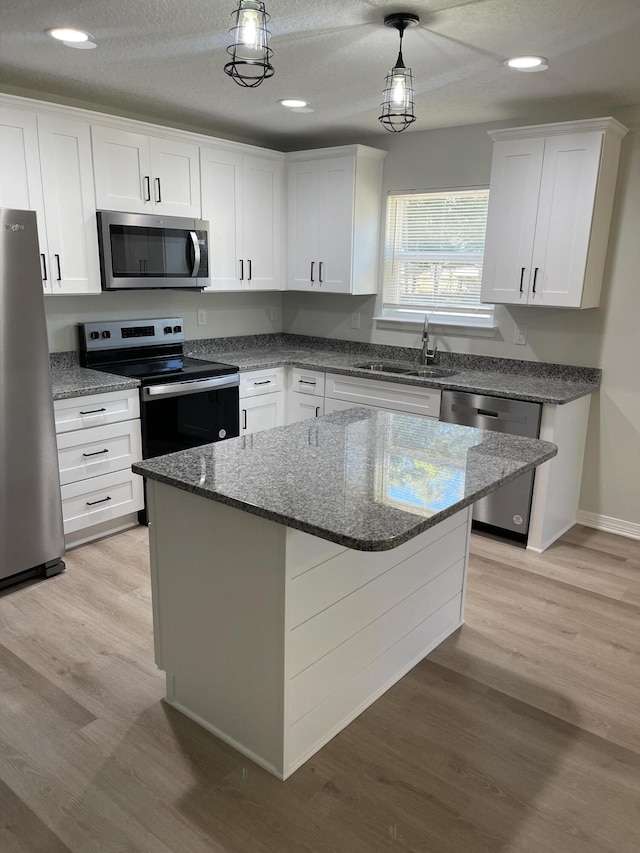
{"type": "Point", "coordinates": [520, 733]}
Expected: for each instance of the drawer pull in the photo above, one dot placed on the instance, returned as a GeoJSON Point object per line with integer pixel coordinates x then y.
{"type": "Point", "coordinates": [96, 452]}
{"type": "Point", "coordinates": [263, 382]}
{"type": "Point", "coordinates": [101, 501]}
{"type": "Point", "coordinates": [93, 411]}
{"type": "Point", "coordinates": [306, 382]}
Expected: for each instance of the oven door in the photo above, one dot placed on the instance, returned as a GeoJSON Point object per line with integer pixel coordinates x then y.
{"type": "Point", "coordinates": [180, 415]}
{"type": "Point", "coordinates": [140, 252]}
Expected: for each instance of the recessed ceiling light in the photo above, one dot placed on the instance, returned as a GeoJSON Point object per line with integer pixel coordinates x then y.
{"type": "Point", "coordinates": [527, 63]}
{"type": "Point", "coordinates": [293, 103]}
{"type": "Point", "coordinates": [68, 34]}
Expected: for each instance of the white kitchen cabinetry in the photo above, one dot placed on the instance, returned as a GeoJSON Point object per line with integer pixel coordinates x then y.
{"type": "Point", "coordinates": [136, 173]}
{"type": "Point", "coordinates": [242, 199]}
{"type": "Point", "coordinates": [344, 392]}
{"type": "Point", "coordinates": [305, 397]}
{"type": "Point", "coordinates": [334, 206]}
{"type": "Point", "coordinates": [69, 206]}
{"type": "Point", "coordinates": [262, 400]}
{"type": "Point", "coordinates": [20, 179]}
{"type": "Point", "coordinates": [550, 202]}
{"type": "Point", "coordinates": [98, 439]}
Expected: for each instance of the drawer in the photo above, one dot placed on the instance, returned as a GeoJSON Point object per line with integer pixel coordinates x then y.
{"type": "Point", "coordinates": [100, 499]}
{"type": "Point", "coordinates": [96, 410]}
{"type": "Point", "coordinates": [98, 450]}
{"type": "Point", "coordinates": [256, 382]}
{"type": "Point", "coordinates": [307, 381]}
{"type": "Point", "coordinates": [415, 399]}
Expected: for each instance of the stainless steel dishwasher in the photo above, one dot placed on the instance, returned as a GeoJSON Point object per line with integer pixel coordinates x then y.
{"type": "Point", "coordinates": [509, 507]}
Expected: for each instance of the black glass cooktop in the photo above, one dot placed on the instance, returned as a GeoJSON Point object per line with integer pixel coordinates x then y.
{"type": "Point", "coordinates": [177, 367]}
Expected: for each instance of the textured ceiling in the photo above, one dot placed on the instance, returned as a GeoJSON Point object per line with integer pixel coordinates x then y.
{"type": "Point", "coordinates": [162, 60]}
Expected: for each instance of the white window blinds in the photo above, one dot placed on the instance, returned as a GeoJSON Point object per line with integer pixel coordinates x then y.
{"type": "Point", "coordinates": [434, 247]}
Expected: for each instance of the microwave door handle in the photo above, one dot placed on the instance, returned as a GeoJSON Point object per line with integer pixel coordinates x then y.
{"type": "Point", "coordinates": [196, 254]}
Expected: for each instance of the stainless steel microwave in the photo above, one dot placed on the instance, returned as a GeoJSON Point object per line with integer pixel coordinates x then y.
{"type": "Point", "coordinates": [143, 251]}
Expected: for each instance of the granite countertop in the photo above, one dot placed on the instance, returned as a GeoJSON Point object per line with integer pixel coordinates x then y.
{"type": "Point", "coordinates": [533, 381]}
{"type": "Point", "coordinates": [77, 381]}
{"type": "Point", "coordinates": [366, 480]}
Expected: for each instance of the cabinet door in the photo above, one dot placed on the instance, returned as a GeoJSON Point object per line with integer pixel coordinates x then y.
{"type": "Point", "coordinates": [20, 180]}
{"type": "Point", "coordinates": [262, 223]}
{"type": "Point", "coordinates": [565, 214]}
{"type": "Point", "coordinates": [122, 170]}
{"type": "Point", "coordinates": [304, 213]}
{"type": "Point", "coordinates": [264, 412]}
{"type": "Point", "coordinates": [516, 172]}
{"type": "Point", "coordinates": [175, 177]}
{"type": "Point", "coordinates": [69, 203]}
{"type": "Point", "coordinates": [302, 407]}
{"type": "Point", "coordinates": [221, 182]}
{"type": "Point", "coordinates": [335, 224]}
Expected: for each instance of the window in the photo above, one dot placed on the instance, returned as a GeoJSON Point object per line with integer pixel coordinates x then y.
{"type": "Point", "coordinates": [434, 247]}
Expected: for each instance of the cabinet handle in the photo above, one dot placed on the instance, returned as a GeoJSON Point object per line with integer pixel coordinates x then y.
{"type": "Point", "coordinates": [521, 279]}
{"type": "Point", "coordinates": [311, 276]}
{"type": "Point", "coordinates": [249, 276]}
{"type": "Point", "coordinates": [241, 270]}
{"type": "Point", "coordinates": [44, 267]}
{"type": "Point", "coordinates": [101, 501]}
{"type": "Point", "coordinates": [93, 411]}
{"type": "Point", "coordinates": [263, 382]}
{"type": "Point", "coordinates": [57, 257]}
{"type": "Point", "coordinates": [320, 271]}
{"type": "Point", "coordinates": [307, 382]}
{"type": "Point", "coordinates": [244, 419]}
{"type": "Point", "coordinates": [96, 452]}
{"type": "Point", "coordinates": [317, 410]}
{"type": "Point", "coordinates": [158, 193]}
{"type": "Point", "coordinates": [535, 276]}
{"type": "Point", "coordinates": [147, 188]}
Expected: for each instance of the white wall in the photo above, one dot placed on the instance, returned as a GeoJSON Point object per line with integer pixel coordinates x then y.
{"type": "Point", "coordinates": [607, 337]}
{"type": "Point", "coordinates": [227, 313]}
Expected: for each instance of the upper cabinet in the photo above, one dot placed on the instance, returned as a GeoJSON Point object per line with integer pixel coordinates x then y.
{"type": "Point", "coordinates": [242, 199]}
{"type": "Point", "coordinates": [550, 203]}
{"type": "Point", "coordinates": [334, 208]}
{"type": "Point", "coordinates": [136, 173]}
{"type": "Point", "coordinates": [46, 167]}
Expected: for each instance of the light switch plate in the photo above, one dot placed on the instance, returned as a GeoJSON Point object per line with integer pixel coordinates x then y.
{"type": "Point", "coordinates": [520, 335]}
{"type": "Point", "coordinates": [355, 320]}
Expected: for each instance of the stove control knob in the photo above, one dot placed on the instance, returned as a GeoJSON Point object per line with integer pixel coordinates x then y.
{"type": "Point", "coordinates": [106, 334]}
{"type": "Point", "coordinates": [94, 335]}
{"type": "Point", "coordinates": [167, 330]}
{"type": "Point", "coordinates": [177, 328]}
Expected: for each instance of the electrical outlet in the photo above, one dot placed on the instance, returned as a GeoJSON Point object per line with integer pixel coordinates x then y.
{"type": "Point", "coordinates": [355, 320]}
{"type": "Point", "coordinates": [202, 317]}
{"type": "Point", "coordinates": [520, 335]}
{"type": "Point", "coordinates": [273, 313]}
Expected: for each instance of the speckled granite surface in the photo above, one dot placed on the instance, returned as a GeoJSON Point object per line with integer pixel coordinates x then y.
{"type": "Point", "coordinates": [366, 480]}
{"type": "Point", "coordinates": [78, 381]}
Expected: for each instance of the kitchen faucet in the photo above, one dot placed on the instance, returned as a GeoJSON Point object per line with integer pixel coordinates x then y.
{"type": "Point", "coordinates": [427, 356]}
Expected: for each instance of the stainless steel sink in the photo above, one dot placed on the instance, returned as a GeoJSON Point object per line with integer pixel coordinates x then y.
{"type": "Point", "coordinates": [383, 367]}
{"type": "Point", "coordinates": [406, 370]}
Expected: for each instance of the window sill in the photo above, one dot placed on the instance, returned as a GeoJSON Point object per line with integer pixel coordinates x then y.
{"type": "Point", "coordinates": [471, 327]}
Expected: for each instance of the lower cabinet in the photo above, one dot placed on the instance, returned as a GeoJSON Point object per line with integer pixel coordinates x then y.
{"type": "Point", "coordinates": [262, 400]}
{"type": "Point", "coordinates": [305, 395]}
{"type": "Point", "coordinates": [344, 392]}
{"type": "Point", "coordinates": [98, 438]}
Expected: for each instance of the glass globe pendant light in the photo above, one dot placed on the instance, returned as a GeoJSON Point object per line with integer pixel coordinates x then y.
{"type": "Point", "coordinates": [397, 99]}
{"type": "Point", "coordinates": [250, 52]}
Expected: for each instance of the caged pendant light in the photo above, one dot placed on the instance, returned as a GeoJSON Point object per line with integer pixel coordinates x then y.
{"type": "Point", "coordinates": [397, 104]}
{"type": "Point", "coordinates": [250, 52]}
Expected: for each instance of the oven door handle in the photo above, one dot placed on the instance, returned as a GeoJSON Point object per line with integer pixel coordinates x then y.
{"type": "Point", "coordinates": [191, 386]}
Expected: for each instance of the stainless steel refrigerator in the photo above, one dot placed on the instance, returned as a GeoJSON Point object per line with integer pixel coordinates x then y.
{"type": "Point", "coordinates": [31, 534]}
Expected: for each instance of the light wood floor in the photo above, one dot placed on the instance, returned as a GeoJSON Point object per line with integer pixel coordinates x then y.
{"type": "Point", "coordinates": [520, 733]}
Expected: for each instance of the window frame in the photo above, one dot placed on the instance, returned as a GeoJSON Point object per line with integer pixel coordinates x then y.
{"type": "Point", "coordinates": [480, 321]}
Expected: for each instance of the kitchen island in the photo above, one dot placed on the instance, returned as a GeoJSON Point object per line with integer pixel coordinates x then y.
{"type": "Point", "coordinates": [299, 572]}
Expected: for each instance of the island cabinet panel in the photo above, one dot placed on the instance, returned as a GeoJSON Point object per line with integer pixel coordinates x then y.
{"type": "Point", "coordinates": [230, 608]}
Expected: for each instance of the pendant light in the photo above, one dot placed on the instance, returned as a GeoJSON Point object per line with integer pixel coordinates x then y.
{"type": "Point", "coordinates": [250, 52]}
{"type": "Point", "coordinates": [397, 104]}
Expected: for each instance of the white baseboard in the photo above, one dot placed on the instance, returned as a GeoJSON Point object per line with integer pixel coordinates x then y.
{"type": "Point", "coordinates": [609, 525]}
